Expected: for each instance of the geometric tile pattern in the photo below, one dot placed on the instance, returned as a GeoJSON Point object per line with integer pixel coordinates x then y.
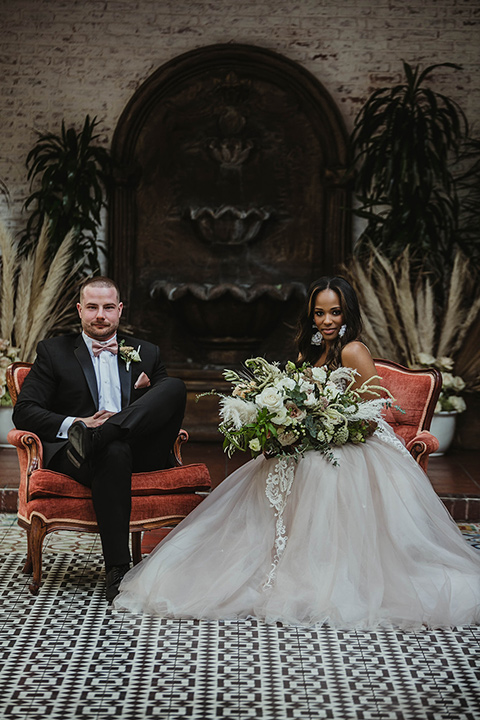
{"type": "Point", "coordinates": [65, 655]}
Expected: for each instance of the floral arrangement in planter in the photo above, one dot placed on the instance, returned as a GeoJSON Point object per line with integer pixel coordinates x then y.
{"type": "Point", "coordinates": [449, 400]}
{"type": "Point", "coordinates": [8, 355]}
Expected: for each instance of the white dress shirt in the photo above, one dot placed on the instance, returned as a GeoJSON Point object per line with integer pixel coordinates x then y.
{"type": "Point", "coordinates": [108, 384]}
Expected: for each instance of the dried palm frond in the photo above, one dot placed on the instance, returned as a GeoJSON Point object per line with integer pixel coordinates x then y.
{"type": "Point", "coordinates": [40, 257]}
{"type": "Point", "coordinates": [8, 250]}
{"type": "Point", "coordinates": [23, 300]}
{"type": "Point", "coordinates": [35, 291]}
{"type": "Point", "coordinates": [59, 273]}
{"type": "Point", "coordinates": [401, 318]}
{"type": "Point", "coordinates": [425, 305]}
{"type": "Point", "coordinates": [376, 325]}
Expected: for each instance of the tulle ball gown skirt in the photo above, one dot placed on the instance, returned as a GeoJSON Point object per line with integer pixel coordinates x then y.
{"type": "Point", "coordinates": [364, 543]}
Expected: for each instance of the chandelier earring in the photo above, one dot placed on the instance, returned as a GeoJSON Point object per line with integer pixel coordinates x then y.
{"type": "Point", "coordinates": [342, 331]}
{"type": "Point", "coordinates": [317, 338]}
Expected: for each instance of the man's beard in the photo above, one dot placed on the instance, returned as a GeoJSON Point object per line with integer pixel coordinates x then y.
{"type": "Point", "coordinates": [101, 331]}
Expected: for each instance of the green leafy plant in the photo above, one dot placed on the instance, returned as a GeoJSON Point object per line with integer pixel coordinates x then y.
{"type": "Point", "coordinates": [403, 142]}
{"type": "Point", "coordinates": [467, 178]}
{"type": "Point", "coordinates": [74, 174]}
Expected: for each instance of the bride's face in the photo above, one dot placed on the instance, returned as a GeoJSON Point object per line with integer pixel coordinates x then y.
{"type": "Point", "coordinates": [327, 314]}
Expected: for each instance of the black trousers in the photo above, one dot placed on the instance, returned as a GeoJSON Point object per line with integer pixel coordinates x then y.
{"type": "Point", "coordinates": [147, 431]}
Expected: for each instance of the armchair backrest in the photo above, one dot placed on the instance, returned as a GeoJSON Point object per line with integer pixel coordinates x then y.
{"type": "Point", "coordinates": [16, 374]}
{"type": "Point", "coordinates": [416, 393]}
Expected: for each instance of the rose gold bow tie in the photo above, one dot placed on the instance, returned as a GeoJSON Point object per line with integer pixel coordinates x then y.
{"type": "Point", "coordinates": [111, 346]}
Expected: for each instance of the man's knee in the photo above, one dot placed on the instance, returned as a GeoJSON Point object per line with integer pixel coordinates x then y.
{"type": "Point", "coordinates": [174, 389]}
{"type": "Point", "coordinates": [170, 396]}
{"type": "Point", "coordinates": [116, 454]}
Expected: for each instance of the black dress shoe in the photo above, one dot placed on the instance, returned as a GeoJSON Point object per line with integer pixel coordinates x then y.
{"type": "Point", "coordinates": [80, 438]}
{"type": "Point", "coordinates": [113, 579]}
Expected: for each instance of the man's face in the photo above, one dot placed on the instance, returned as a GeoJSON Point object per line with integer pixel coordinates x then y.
{"type": "Point", "coordinates": [99, 311]}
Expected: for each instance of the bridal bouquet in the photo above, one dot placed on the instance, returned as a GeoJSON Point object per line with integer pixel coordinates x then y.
{"type": "Point", "coordinates": [287, 412]}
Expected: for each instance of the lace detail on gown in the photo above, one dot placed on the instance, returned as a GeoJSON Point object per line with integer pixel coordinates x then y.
{"type": "Point", "coordinates": [278, 487]}
{"type": "Point", "coordinates": [385, 433]}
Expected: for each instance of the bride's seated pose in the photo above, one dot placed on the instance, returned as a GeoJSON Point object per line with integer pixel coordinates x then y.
{"type": "Point", "coordinates": [362, 543]}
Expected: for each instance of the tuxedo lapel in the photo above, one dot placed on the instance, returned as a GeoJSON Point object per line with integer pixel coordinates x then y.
{"type": "Point", "coordinates": [83, 357]}
{"type": "Point", "coordinates": [125, 379]}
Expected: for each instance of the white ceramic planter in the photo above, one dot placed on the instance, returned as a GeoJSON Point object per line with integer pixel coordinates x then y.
{"type": "Point", "coordinates": [6, 424]}
{"type": "Point", "coordinates": [443, 427]}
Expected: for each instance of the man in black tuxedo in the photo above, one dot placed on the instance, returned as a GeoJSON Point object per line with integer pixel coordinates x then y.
{"type": "Point", "coordinates": [103, 407]}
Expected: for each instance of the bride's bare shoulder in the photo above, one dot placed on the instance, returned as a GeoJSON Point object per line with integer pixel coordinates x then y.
{"type": "Point", "coordinates": [355, 350]}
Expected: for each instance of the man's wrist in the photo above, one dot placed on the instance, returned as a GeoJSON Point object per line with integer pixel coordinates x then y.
{"type": "Point", "coordinates": [64, 427]}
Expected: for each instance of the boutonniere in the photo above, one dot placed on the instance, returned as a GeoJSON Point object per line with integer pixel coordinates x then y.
{"type": "Point", "coordinates": [129, 354]}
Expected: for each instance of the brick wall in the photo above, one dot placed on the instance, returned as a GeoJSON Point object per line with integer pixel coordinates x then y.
{"type": "Point", "coordinates": [62, 59]}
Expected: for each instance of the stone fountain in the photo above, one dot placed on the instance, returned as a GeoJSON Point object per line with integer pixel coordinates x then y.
{"type": "Point", "coordinates": [230, 198]}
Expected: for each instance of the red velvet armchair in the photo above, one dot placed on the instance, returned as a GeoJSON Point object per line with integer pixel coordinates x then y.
{"type": "Point", "coordinates": [416, 393]}
{"type": "Point", "coordinates": [49, 501]}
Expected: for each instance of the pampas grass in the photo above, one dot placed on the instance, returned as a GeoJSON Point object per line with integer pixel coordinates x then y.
{"type": "Point", "coordinates": [35, 291]}
{"type": "Point", "coordinates": [9, 272]}
{"type": "Point", "coordinates": [401, 318]}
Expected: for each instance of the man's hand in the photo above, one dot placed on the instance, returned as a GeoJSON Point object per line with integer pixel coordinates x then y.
{"type": "Point", "coordinates": [96, 420]}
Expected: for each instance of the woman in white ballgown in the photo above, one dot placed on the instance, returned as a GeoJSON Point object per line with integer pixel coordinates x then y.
{"type": "Point", "coordinates": [366, 543]}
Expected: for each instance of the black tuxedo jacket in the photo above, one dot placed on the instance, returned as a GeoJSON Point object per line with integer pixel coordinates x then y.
{"type": "Point", "coordinates": [62, 382]}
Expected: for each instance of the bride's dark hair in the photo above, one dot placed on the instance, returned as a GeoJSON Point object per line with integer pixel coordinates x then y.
{"type": "Point", "coordinates": [351, 317]}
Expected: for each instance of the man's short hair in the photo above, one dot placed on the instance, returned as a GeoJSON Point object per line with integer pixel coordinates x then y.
{"type": "Point", "coordinates": [100, 281]}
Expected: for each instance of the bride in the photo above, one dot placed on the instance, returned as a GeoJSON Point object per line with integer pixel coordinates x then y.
{"type": "Point", "coordinates": [368, 543]}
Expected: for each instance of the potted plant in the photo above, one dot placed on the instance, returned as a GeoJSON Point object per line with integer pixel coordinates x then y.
{"type": "Point", "coordinates": [450, 401]}
{"type": "Point", "coordinates": [8, 354]}
{"type": "Point", "coordinates": [74, 173]}
{"type": "Point", "coordinates": [403, 322]}
{"type": "Point", "coordinates": [415, 265]}
{"type": "Point", "coordinates": [404, 141]}
{"type": "Point", "coordinates": [36, 297]}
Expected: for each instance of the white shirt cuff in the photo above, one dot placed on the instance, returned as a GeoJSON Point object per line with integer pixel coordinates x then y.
{"type": "Point", "coordinates": [63, 430]}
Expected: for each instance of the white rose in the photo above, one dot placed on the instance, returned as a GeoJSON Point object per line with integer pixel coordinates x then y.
{"type": "Point", "coordinates": [282, 417]}
{"type": "Point", "coordinates": [254, 445]}
{"type": "Point", "coordinates": [457, 403]}
{"type": "Point", "coordinates": [426, 359]}
{"type": "Point", "coordinates": [331, 390]}
{"type": "Point", "coordinates": [319, 374]}
{"type": "Point", "coordinates": [458, 383]}
{"type": "Point", "coordinates": [447, 380]}
{"type": "Point", "coordinates": [270, 398]}
{"type": "Point", "coordinates": [445, 363]}
{"type": "Point", "coordinates": [310, 400]}
{"type": "Point", "coordinates": [286, 383]}
{"type": "Point", "coordinates": [305, 386]}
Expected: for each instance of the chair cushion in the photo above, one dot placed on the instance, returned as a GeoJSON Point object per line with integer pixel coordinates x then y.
{"type": "Point", "coordinates": [184, 479]}
{"type": "Point", "coordinates": [78, 513]}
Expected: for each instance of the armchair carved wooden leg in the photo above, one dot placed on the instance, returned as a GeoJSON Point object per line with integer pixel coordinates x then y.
{"type": "Point", "coordinates": [38, 531]}
{"type": "Point", "coordinates": [27, 568]}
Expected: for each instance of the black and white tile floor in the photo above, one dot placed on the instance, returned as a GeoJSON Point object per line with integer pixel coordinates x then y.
{"type": "Point", "coordinates": [65, 654]}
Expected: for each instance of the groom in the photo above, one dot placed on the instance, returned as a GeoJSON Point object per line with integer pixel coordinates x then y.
{"type": "Point", "coordinates": [103, 407]}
